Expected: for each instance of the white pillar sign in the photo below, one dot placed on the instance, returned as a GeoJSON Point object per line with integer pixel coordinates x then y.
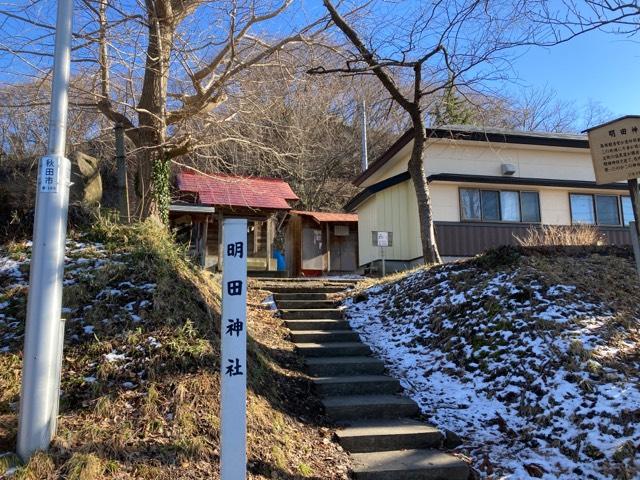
{"type": "Point", "coordinates": [233, 364]}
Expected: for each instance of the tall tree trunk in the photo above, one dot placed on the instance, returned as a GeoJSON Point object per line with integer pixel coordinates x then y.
{"type": "Point", "coordinates": [153, 166]}
{"type": "Point", "coordinates": [423, 197]}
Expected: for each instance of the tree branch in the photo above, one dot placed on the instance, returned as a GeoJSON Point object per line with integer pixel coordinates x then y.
{"type": "Point", "coordinates": [368, 56]}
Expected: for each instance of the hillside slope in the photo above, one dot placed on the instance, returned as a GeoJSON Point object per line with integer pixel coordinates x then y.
{"type": "Point", "coordinates": [532, 357]}
{"type": "Point", "coordinates": [140, 382]}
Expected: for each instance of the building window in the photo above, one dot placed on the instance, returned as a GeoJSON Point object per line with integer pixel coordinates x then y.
{"type": "Point", "coordinates": [470, 201]}
{"type": "Point", "coordinates": [510, 206]}
{"type": "Point", "coordinates": [582, 210]}
{"type": "Point", "coordinates": [490, 205]}
{"type": "Point", "coordinates": [627, 210]}
{"type": "Point", "coordinates": [530, 207]}
{"type": "Point", "coordinates": [600, 209]}
{"type": "Point", "coordinates": [499, 205]}
{"type": "Point", "coordinates": [607, 210]}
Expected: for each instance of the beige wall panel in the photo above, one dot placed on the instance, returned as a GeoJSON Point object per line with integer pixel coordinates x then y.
{"type": "Point", "coordinates": [394, 210]}
{"type": "Point", "coordinates": [395, 166]}
{"type": "Point", "coordinates": [483, 158]}
{"type": "Point", "coordinates": [487, 158]}
{"type": "Point", "coordinates": [445, 201]}
{"type": "Point", "coordinates": [554, 206]}
{"type": "Point", "coordinates": [415, 245]}
{"type": "Point", "coordinates": [366, 221]}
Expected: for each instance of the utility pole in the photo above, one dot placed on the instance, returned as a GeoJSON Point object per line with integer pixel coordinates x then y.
{"type": "Point", "coordinates": [44, 333]}
{"type": "Point", "coordinates": [123, 183]}
{"type": "Point", "coordinates": [364, 159]}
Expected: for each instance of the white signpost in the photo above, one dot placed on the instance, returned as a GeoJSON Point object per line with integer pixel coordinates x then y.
{"type": "Point", "coordinates": [382, 240]}
{"type": "Point", "coordinates": [615, 152]}
{"type": "Point", "coordinates": [233, 364]}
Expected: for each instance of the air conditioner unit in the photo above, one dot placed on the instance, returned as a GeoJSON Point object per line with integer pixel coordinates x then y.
{"type": "Point", "coordinates": [508, 169]}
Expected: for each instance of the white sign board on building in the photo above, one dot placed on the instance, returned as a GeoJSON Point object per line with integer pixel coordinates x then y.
{"type": "Point", "coordinates": [615, 149]}
{"type": "Point", "coordinates": [233, 361]}
{"type": "Point", "coordinates": [382, 239]}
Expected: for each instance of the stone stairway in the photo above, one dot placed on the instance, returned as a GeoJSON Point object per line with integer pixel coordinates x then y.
{"type": "Point", "coordinates": [380, 427]}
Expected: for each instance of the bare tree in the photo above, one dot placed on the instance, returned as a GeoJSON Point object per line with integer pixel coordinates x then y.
{"type": "Point", "coordinates": [282, 123]}
{"type": "Point", "coordinates": [430, 47]}
{"type": "Point", "coordinates": [559, 22]}
{"type": "Point", "coordinates": [157, 65]}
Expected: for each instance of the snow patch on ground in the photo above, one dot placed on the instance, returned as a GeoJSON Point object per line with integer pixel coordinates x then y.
{"type": "Point", "coordinates": [106, 300]}
{"type": "Point", "coordinates": [510, 364]}
{"type": "Point", "coordinates": [84, 262]}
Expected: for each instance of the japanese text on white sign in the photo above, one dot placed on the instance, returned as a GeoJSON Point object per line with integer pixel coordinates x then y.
{"type": "Point", "coordinates": [233, 365]}
{"type": "Point", "coordinates": [615, 150]}
{"type": "Point", "coordinates": [49, 174]}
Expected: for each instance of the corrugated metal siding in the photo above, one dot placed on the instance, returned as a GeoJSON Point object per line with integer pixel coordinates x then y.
{"type": "Point", "coordinates": [457, 239]}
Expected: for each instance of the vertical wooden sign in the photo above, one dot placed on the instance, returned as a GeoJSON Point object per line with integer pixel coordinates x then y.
{"type": "Point", "coordinates": [233, 364]}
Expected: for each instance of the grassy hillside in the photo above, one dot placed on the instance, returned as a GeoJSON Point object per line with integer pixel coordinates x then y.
{"type": "Point", "coordinates": [140, 382]}
{"type": "Point", "coordinates": [531, 355]}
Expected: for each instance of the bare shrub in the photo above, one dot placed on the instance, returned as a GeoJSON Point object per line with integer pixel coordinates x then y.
{"type": "Point", "coordinates": [563, 235]}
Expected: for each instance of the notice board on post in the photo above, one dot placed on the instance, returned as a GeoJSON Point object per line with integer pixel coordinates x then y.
{"type": "Point", "coordinates": [382, 239]}
{"type": "Point", "coordinates": [615, 152]}
{"type": "Point", "coordinates": [615, 149]}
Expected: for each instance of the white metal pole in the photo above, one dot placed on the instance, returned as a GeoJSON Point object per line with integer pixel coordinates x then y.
{"type": "Point", "coordinates": [233, 362]}
{"type": "Point", "coordinates": [44, 327]}
{"type": "Point", "coordinates": [364, 155]}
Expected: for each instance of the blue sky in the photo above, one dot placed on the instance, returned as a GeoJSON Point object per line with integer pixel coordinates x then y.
{"type": "Point", "coordinates": [599, 66]}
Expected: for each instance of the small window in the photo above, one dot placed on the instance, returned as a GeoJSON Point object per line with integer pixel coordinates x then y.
{"type": "Point", "coordinates": [490, 205]}
{"type": "Point", "coordinates": [582, 210]}
{"type": "Point", "coordinates": [530, 206]}
{"type": "Point", "coordinates": [470, 204]}
{"type": "Point", "coordinates": [510, 206]}
{"type": "Point", "coordinates": [627, 210]}
{"type": "Point", "coordinates": [499, 205]}
{"type": "Point", "coordinates": [607, 210]}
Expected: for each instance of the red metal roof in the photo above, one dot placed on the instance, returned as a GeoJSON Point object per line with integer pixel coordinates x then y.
{"type": "Point", "coordinates": [235, 191]}
{"type": "Point", "coordinates": [329, 216]}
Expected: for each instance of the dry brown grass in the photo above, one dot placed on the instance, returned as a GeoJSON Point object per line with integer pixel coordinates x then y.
{"type": "Point", "coordinates": [612, 280]}
{"type": "Point", "coordinates": [561, 235]}
{"type": "Point", "coordinates": [167, 427]}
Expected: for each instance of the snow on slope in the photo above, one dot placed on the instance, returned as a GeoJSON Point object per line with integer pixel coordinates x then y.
{"type": "Point", "coordinates": [88, 312]}
{"type": "Point", "coordinates": [514, 365]}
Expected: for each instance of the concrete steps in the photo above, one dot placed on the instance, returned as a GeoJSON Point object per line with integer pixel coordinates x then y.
{"type": "Point", "coordinates": [408, 465]}
{"type": "Point", "coordinates": [362, 407]}
{"type": "Point", "coordinates": [334, 366]}
{"type": "Point", "coordinates": [317, 324]}
{"type": "Point", "coordinates": [381, 429]}
{"type": "Point", "coordinates": [323, 336]}
{"type": "Point", "coordinates": [365, 436]}
{"type": "Point", "coordinates": [312, 313]}
{"type": "Point", "coordinates": [279, 297]}
{"type": "Point", "coordinates": [356, 385]}
{"type": "Point", "coordinates": [303, 289]}
{"type": "Point", "coordinates": [297, 304]}
{"type": "Point", "coordinates": [333, 349]}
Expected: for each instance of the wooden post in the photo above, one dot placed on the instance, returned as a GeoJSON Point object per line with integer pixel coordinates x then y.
{"type": "Point", "coordinates": [328, 230]}
{"type": "Point", "coordinates": [203, 248]}
{"type": "Point", "coordinates": [220, 242]}
{"type": "Point", "coordinates": [121, 167]}
{"type": "Point", "coordinates": [635, 225]}
{"type": "Point", "coordinates": [635, 201]}
{"type": "Point", "coordinates": [269, 241]}
{"type": "Point", "coordinates": [257, 228]}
